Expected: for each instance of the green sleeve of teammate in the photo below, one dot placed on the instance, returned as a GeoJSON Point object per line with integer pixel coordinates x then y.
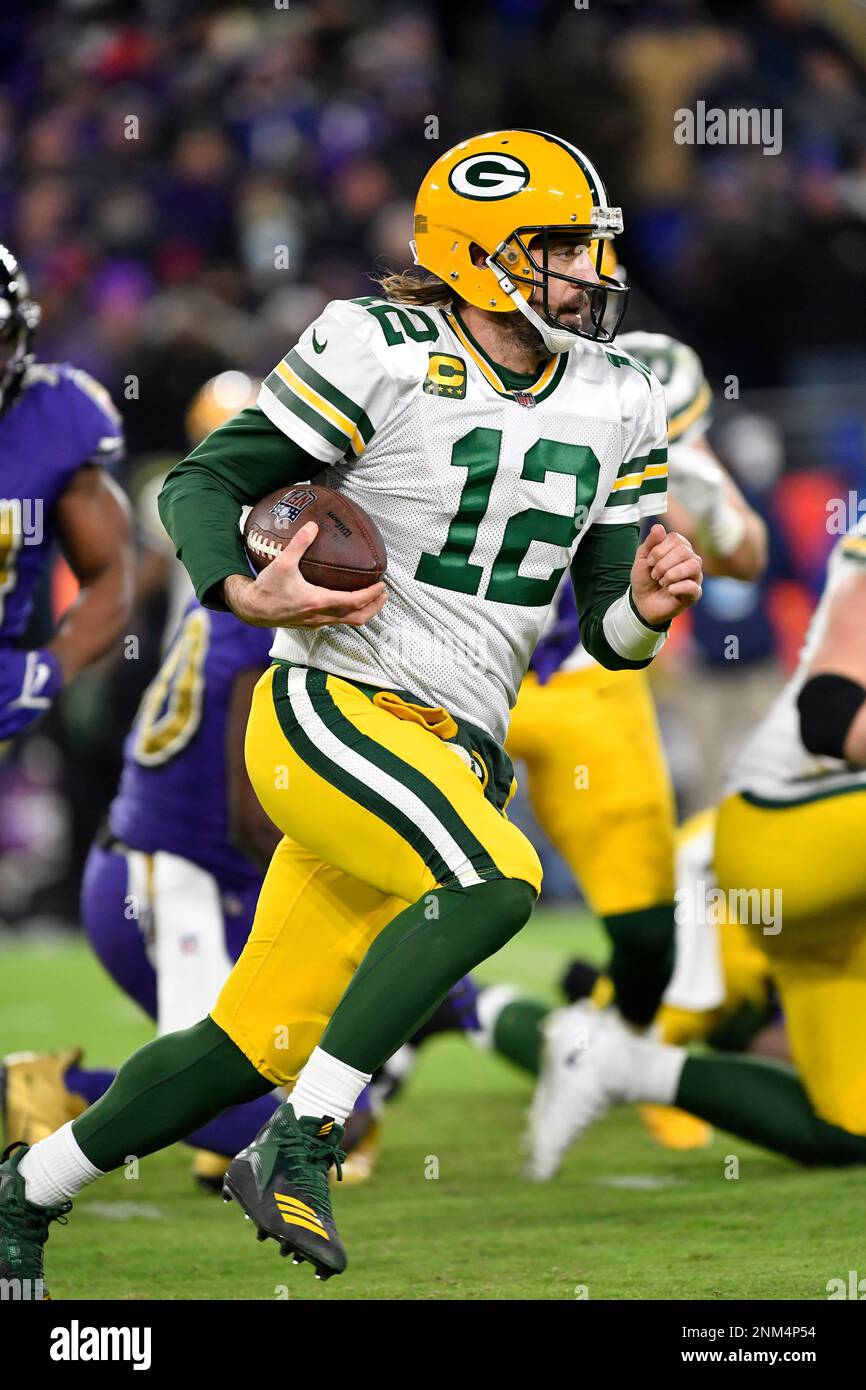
{"type": "Point", "coordinates": [601, 573]}
{"type": "Point", "coordinates": [202, 497]}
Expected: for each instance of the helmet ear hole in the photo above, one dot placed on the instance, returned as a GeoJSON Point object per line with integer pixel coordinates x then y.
{"type": "Point", "coordinates": [477, 254]}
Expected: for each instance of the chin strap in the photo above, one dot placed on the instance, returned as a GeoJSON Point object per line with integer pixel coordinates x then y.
{"type": "Point", "coordinates": [555, 339]}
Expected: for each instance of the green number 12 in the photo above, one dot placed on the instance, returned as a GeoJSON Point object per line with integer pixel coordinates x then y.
{"type": "Point", "coordinates": [478, 452]}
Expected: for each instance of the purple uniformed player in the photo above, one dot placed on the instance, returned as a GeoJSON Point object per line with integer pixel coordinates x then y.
{"type": "Point", "coordinates": [57, 428]}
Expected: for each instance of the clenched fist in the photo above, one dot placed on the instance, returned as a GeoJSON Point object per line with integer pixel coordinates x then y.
{"type": "Point", "coordinates": [666, 576]}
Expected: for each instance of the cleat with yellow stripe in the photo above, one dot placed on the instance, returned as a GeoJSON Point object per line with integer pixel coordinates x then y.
{"type": "Point", "coordinates": [675, 1129]}
{"type": "Point", "coordinates": [34, 1100]}
{"type": "Point", "coordinates": [280, 1181]}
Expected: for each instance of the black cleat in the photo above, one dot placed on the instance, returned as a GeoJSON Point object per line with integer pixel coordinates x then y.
{"type": "Point", "coordinates": [281, 1183]}
{"type": "Point", "coordinates": [23, 1230]}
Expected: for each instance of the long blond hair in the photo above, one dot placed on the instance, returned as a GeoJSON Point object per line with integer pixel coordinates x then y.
{"type": "Point", "coordinates": [415, 288]}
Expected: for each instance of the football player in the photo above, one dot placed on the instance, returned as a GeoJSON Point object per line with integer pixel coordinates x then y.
{"type": "Point", "coordinates": [170, 886]}
{"type": "Point", "coordinates": [788, 869]}
{"type": "Point", "coordinates": [497, 441]}
{"type": "Point", "coordinates": [58, 431]}
{"type": "Point", "coordinates": [605, 801]}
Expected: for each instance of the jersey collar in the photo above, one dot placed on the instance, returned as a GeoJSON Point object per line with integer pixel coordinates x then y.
{"type": "Point", "coordinates": [548, 377]}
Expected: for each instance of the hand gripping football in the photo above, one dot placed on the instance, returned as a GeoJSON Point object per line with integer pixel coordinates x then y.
{"type": "Point", "coordinates": [348, 552]}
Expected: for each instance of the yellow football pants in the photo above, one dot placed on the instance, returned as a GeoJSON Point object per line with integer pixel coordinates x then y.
{"type": "Point", "coordinates": [377, 810]}
{"type": "Point", "coordinates": [599, 784]}
{"type": "Point", "coordinates": [810, 854]}
{"type": "Point", "coordinates": [745, 968]}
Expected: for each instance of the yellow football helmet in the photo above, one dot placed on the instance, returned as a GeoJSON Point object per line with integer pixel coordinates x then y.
{"type": "Point", "coordinates": [217, 401]}
{"type": "Point", "coordinates": [501, 191]}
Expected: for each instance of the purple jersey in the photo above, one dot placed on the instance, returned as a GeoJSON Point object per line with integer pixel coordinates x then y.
{"type": "Point", "coordinates": [559, 638]}
{"type": "Point", "coordinates": [173, 792]}
{"type": "Point", "coordinates": [61, 420]}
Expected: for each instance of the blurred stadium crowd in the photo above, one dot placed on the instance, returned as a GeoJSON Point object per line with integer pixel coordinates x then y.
{"type": "Point", "coordinates": [187, 184]}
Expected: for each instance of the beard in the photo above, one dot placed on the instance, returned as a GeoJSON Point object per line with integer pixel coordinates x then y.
{"type": "Point", "coordinates": [524, 334]}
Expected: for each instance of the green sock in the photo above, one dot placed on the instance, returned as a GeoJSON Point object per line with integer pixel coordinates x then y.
{"type": "Point", "coordinates": [642, 961]}
{"type": "Point", "coordinates": [413, 963]}
{"type": "Point", "coordinates": [764, 1102]}
{"type": "Point", "coordinates": [165, 1091]}
{"type": "Point", "coordinates": [517, 1033]}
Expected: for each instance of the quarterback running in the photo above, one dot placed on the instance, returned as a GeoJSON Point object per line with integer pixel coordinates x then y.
{"type": "Point", "coordinates": [496, 439]}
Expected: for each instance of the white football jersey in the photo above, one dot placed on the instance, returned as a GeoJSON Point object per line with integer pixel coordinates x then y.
{"type": "Point", "coordinates": [482, 494]}
{"type": "Point", "coordinates": [688, 402]}
{"type": "Point", "coordinates": [775, 766]}
{"type": "Point", "coordinates": [679, 370]}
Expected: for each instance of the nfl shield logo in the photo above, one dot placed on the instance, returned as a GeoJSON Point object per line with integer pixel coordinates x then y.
{"type": "Point", "coordinates": [524, 397]}
{"type": "Point", "coordinates": [291, 504]}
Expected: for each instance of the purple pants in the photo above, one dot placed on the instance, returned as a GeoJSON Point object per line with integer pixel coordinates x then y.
{"type": "Point", "coordinates": [119, 939]}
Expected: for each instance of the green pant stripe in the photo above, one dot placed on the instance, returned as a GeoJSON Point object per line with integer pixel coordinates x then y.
{"type": "Point", "coordinates": [402, 772]}
{"type": "Point", "coordinates": [350, 786]}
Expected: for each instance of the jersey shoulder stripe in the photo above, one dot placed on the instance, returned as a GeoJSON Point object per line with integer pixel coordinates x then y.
{"type": "Point", "coordinates": [695, 413]}
{"type": "Point", "coordinates": [679, 369]}
{"type": "Point", "coordinates": [321, 405]}
{"type": "Point", "coordinates": [340, 382]}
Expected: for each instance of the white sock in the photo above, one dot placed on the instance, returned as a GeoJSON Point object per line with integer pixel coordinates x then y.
{"type": "Point", "coordinates": [652, 1070]}
{"type": "Point", "coordinates": [327, 1086]}
{"type": "Point", "coordinates": [55, 1169]}
{"type": "Point", "coordinates": [491, 1002]}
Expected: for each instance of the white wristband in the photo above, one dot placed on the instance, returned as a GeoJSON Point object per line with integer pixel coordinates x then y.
{"type": "Point", "coordinates": [627, 634]}
{"type": "Point", "coordinates": [725, 528]}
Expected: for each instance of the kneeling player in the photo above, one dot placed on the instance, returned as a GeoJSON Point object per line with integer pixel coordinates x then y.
{"type": "Point", "coordinates": [786, 856]}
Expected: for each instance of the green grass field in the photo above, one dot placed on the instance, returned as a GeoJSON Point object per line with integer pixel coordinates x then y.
{"type": "Point", "coordinates": [625, 1219]}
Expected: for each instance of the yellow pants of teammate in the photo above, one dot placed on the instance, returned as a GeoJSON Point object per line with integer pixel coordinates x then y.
{"type": "Point", "coordinates": [380, 801]}
{"type": "Point", "coordinates": [599, 784]}
{"type": "Point", "coordinates": [811, 856]}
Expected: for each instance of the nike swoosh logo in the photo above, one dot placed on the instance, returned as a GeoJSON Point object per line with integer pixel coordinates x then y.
{"type": "Point", "coordinates": [317, 346]}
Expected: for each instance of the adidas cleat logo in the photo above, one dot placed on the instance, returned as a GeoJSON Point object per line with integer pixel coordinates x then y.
{"type": "Point", "coordinates": [296, 1213]}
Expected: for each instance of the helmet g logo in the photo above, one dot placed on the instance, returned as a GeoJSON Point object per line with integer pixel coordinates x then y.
{"type": "Point", "coordinates": [489, 176]}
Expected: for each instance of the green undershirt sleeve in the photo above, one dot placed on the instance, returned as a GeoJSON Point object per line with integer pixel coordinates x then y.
{"type": "Point", "coordinates": [202, 497]}
{"type": "Point", "coordinates": [601, 573]}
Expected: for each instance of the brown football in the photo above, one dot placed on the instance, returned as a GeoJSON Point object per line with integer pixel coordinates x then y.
{"type": "Point", "coordinates": [348, 553]}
